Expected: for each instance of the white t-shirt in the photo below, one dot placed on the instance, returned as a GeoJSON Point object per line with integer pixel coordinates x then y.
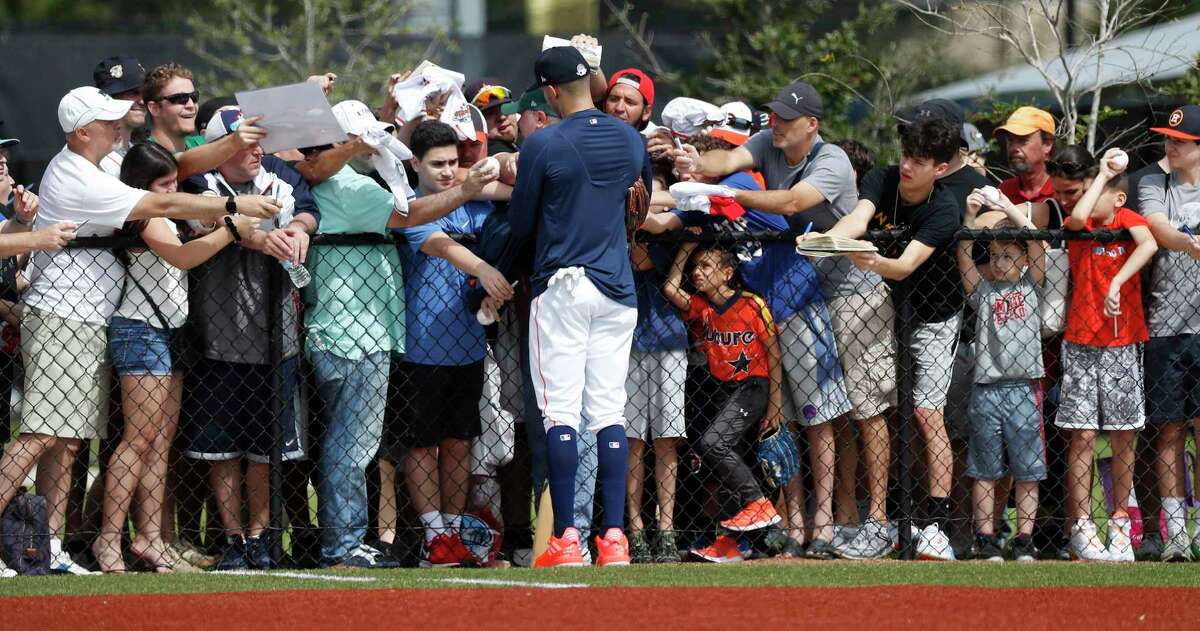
{"type": "Point", "coordinates": [167, 286]}
{"type": "Point", "coordinates": [111, 163]}
{"type": "Point", "coordinates": [80, 284]}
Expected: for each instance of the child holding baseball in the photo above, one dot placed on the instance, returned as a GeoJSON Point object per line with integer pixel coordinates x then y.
{"type": "Point", "coordinates": [1004, 412]}
{"type": "Point", "coordinates": [1102, 386]}
{"type": "Point", "coordinates": [738, 337]}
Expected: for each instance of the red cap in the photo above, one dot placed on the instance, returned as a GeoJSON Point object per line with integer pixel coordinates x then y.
{"type": "Point", "coordinates": [636, 79]}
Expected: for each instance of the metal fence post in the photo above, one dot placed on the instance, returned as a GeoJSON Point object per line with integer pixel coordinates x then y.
{"type": "Point", "coordinates": [275, 351]}
{"type": "Point", "coordinates": [904, 319]}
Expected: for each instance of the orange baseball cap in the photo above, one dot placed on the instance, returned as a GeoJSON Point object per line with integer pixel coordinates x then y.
{"type": "Point", "coordinates": [1026, 120]}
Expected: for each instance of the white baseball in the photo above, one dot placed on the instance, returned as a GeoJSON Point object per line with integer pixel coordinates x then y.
{"type": "Point", "coordinates": [1120, 159]}
{"type": "Point", "coordinates": [481, 316]}
{"type": "Point", "coordinates": [991, 194]}
{"type": "Point", "coordinates": [491, 163]}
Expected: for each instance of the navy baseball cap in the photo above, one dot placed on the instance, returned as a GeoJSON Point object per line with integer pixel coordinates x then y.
{"type": "Point", "coordinates": [1183, 123]}
{"type": "Point", "coordinates": [558, 65]}
{"type": "Point", "coordinates": [796, 100]}
{"type": "Point", "coordinates": [6, 142]}
{"type": "Point", "coordinates": [944, 109]}
{"type": "Point", "coordinates": [115, 75]}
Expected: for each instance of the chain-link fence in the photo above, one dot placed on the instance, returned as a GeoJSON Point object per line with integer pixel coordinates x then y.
{"type": "Point", "coordinates": [243, 422]}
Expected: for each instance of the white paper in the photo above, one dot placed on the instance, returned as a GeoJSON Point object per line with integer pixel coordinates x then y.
{"type": "Point", "coordinates": [428, 78]}
{"type": "Point", "coordinates": [295, 116]}
{"type": "Point", "coordinates": [596, 51]}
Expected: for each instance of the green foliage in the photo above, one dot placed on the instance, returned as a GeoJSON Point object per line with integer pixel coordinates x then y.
{"type": "Point", "coordinates": [260, 43]}
{"type": "Point", "coordinates": [1187, 87]}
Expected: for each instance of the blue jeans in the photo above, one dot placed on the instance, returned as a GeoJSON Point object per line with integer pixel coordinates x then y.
{"type": "Point", "coordinates": [354, 394]}
{"type": "Point", "coordinates": [535, 432]}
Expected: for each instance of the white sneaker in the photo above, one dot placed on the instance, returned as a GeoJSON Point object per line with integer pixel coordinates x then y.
{"type": "Point", "coordinates": [61, 561]}
{"type": "Point", "coordinates": [1176, 549]}
{"type": "Point", "coordinates": [843, 535]}
{"type": "Point", "coordinates": [1085, 543]}
{"type": "Point", "coordinates": [1120, 543]}
{"type": "Point", "coordinates": [6, 572]}
{"type": "Point", "coordinates": [933, 544]}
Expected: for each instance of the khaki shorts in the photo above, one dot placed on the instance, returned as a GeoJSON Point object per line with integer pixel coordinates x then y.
{"type": "Point", "coordinates": [866, 342]}
{"type": "Point", "coordinates": [66, 377]}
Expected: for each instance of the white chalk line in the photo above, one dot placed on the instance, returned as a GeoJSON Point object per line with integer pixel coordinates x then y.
{"type": "Point", "coordinates": [504, 583]}
{"type": "Point", "coordinates": [301, 575]}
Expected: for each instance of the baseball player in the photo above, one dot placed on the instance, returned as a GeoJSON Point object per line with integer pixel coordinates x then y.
{"type": "Point", "coordinates": [572, 182]}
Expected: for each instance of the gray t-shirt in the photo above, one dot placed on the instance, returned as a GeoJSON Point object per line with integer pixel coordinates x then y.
{"type": "Point", "coordinates": [1008, 327]}
{"type": "Point", "coordinates": [1174, 304]}
{"type": "Point", "coordinates": [830, 172]}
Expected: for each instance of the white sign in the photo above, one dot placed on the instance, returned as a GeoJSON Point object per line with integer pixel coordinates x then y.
{"type": "Point", "coordinates": [295, 116]}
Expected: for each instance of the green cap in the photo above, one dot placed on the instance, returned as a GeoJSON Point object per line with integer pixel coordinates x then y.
{"type": "Point", "coordinates": [531, 100]}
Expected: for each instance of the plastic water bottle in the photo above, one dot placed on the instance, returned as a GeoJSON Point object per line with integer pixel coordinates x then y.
{"type": "Point", "coordinates": [297, 273]}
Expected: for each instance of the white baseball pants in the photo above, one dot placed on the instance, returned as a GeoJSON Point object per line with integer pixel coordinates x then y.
{"type": "Point", "coordinates": [579, 341]}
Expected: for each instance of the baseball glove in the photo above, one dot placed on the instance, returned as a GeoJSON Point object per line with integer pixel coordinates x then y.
{"type": "Point", "coordinates": [778, 457]}
{"type": "Point", "coordinates": [637, 204]}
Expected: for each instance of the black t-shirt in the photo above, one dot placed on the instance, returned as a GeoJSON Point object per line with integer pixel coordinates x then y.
{"type": "Point", "coordinates": [500, 146]}
{"type": "Point", "coordinates": [960, 184]}
{"type": "Point", "coordinates": [935, 287]}
{"type": "Point", "coordinates": [1135, 180]}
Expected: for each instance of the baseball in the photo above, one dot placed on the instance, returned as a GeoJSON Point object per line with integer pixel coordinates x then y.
{"type": "Point", "coordinates": [1120, 159]}
{"type": "Point", "coordinates": [480, 316]}
{"type": "Point", "coordinates": [491, 163]}
{"type": "Point", "coordinates": [991, 194]}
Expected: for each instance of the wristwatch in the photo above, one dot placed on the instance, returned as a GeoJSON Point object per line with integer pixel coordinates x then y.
{"type": "Point", "coordinates": [230, 205]}
{"type": "Point", "coordinates": [237, 237]}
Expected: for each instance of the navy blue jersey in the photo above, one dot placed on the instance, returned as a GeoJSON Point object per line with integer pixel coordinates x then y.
{"type": "Point", "coordinates": [571, 185]}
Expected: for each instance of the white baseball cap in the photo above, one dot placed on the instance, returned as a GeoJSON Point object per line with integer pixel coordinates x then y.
{"type": "Point", "coordinates": [737, 125]}
{"type": "Point", "coordinates": [355, 117]}
{"type": "Point", "coordinates": [687, 117]}
{"type": "Point", "coordinates": [86, 104]}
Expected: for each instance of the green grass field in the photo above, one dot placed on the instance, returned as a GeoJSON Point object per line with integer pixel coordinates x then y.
{"type": "Point", "coordinates": [754, 574]}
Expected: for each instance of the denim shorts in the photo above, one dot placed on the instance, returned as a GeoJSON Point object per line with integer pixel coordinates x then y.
{"type": "Point", "coordinates": [1006, 420]}
{"type": "Point", "coordinates": [137, 348]}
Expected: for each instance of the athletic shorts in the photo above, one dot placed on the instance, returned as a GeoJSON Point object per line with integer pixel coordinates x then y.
{"type": "Point", "coordinates": [864, 330]}
{"type": "Point", "coordinates": [814, 391]}
{"type": "Point", "coordinates": [1172, 378]}
{"type": "Point", "coordinates": [655, 387]}
{"type": "Point", "coordinates": [933, 346]}
{"type": "Point", "coordinates": [231, 411]}
{"type": "Point", "coordinates": [67, 376]}
{"type": "Point", "coordinates": [1006, 419]}
{"type": "Point", "coordinates": [1102, 388]}
{"type": "Point", "coordinates": [439, 402]}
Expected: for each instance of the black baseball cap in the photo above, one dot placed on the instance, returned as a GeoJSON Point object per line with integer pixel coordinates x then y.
{"type": "Point", "coordinates": [944, 109]}
{"type": "Point", "coordinates": [1183, 123]}
{"type": "Point", "coordinates": [796, 100]}
{"type": "Point", "coordinates": [6, 142]}
{"type": "Point", "coordinates": [558, 65]}
{"type": "Point", "coordinates": [115, 75]}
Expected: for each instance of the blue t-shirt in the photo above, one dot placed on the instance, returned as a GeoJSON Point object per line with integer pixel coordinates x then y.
{"type": "Point", "coordinates": [659, 327]}
{"type": "Point", "coordinates": [771, 269]}
{"type": "Point", "coordinates": [440, 329]}
{"type": "Point", "coordinates": [571, 185]}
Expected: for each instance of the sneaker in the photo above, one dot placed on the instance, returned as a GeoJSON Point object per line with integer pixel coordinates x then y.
{"type": "Point", "coordinates": [1152, 547]}
{"type": "Point", "coordinates": [724, 550]}
{"type": "Point", "coordinates": [1085, 543]}
{"type": "Point", "coordinates": [61, 561]}
{"type": "Point", "coordinates": [522, 557]}
{"type": "Point", "coordinates": [190, 553]}
{"type": "Point", "coordinates": [365, 557]}
{"type": "Point", "coordinates": [562, 551]}
{"type": "Point", "coordinates": [639, 548]}
{"type": "Point", "coordinates": [1175, 550]}
{"type": "Point", "coordinates": [843, 535]}
{"type": "Point", "coordinates": [1196, 541]}
{"type": "Point", "coordinates": [757, 514]}
{"type": "Point", "coordinates": [820, 549]}
{"type": "Point", "coordinates": [933, 544]}
{"type": "Point", "coordinates": [612, 549]}
{"type": "Point", "coordinates": [871, 541]}
{"type": "Point", "coordinates": [447, 550]}
{"type": "Point", "coordinates": [258, 552]}
{"type": "Point", "coordinates": [233, 557]}
{"type": "Point", "coordinates": [1120, 544]}
{"type": "Point", "coordinates": [1023, 549]}
{"type": "Point", "coordinates": [5, 571]}
{"type": "Point", "coordinates": [665, 550]}
{"type": "Point", "coordinates": [987, 548]}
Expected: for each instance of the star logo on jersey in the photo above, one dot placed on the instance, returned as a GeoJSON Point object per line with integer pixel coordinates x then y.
{"type": "Point", "coordinates": [741, 364]}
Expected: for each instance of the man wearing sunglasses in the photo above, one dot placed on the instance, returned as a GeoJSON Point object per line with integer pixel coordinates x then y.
{"type": "Point", "coordinates": [121, 78]}
{"type": "Point", "coordinates": [172, 100]}
{"type": "Point", "coordinates": [489, 96]}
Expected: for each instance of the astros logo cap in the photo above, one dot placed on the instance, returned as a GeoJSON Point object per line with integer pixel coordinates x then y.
{"type": "Point", "coordinates": [1183, 123]}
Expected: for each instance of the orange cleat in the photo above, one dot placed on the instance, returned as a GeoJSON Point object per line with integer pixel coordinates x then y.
{"type": "Point", "coordinates": [757, 514]}
{"type": "Point", "coordinates": [612, 549]}
{"type": "Point", "coordinates": [562, 551]}
{"type": "Point", "coordinates": [448, 550]}
{"type": "Point", "coordinates": [723, 550]}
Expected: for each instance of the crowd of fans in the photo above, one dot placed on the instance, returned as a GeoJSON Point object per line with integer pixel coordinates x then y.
{"type": "Point", "coordinates": [399, 382]}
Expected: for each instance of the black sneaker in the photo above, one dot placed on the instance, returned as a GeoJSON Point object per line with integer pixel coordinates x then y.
{"type": "Point", "coordinates": [258, 552]}
{"type": "Point", "coordinates": [820, 549]}
{"type": "Point", "coordinates": [233, 557]}
{"type": "Point", "coordinates": [639, 548]}
{"type": "Point", "coordinates": [665, 550]}
{"type": "Point", "coordinates": [986, 548]}
{"type": "Point", "coordinates": [1023, 548]}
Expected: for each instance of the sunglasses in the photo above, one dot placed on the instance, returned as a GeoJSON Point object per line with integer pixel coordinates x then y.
{"type": "Point", "coordinates": [739, 124]}
{"type": "Point", "coordinates": [490, 94]}
{"type": "Point", "coordinates": [309, 151]}
{"type": "Point", "coordinates": [182, 98]}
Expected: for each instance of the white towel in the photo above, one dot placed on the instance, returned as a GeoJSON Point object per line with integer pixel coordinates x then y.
{"type": "Point", "coordinates": [427, 79]}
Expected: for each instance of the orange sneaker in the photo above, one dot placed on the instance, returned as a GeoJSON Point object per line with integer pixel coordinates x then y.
{"type": "Point", "coordinates": [448, 550]}
{"type": "Point", "coordinates": [757, 514]}
{"type": "Point", "coordinates": [723, 550]}
{"type": "Point", "coordinates": [612, 549]}
{"type": "Point", "coordinates": [562, 551]}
